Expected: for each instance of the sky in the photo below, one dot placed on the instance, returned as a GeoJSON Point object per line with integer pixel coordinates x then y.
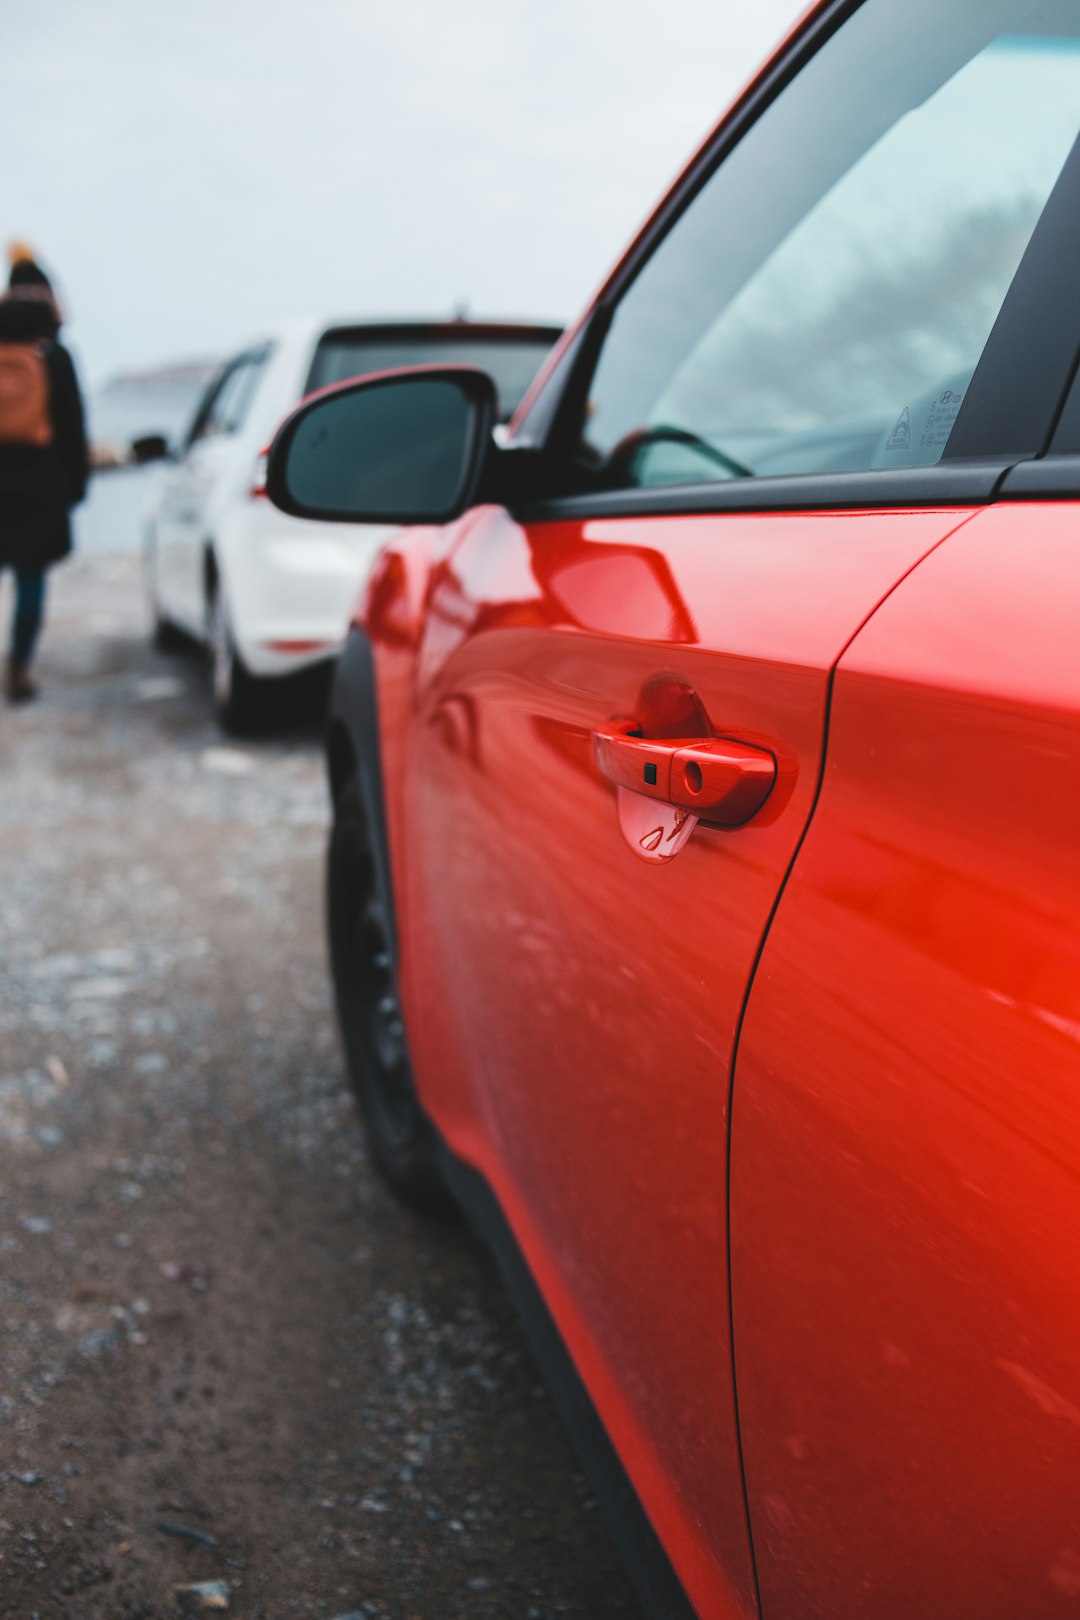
{"type": "Point", "coordinates": [195, 172]}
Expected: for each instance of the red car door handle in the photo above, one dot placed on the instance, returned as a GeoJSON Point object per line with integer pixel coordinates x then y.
{"type": "Point", "coordinates": [715, 778]}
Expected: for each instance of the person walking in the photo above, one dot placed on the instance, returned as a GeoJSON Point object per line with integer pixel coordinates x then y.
{"type": "Point", "coordinates": [44, 461]}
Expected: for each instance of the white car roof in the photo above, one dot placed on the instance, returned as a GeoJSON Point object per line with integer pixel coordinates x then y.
{"type": "Point", "coordinates": [307, 329]}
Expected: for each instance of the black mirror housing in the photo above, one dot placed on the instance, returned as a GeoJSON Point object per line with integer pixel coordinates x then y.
{"type": "Point", "coordinates": [406, 446]}
{"type": "Point", "coordinates": [150, 447]}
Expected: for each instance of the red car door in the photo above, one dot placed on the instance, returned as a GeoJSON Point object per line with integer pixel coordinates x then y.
{"type": "Point", "coordinates": [776, 432]}
{"type": "Point", "coordinates": [905, 1152]}
{"type": "Point", "coordinates": [588, 998]}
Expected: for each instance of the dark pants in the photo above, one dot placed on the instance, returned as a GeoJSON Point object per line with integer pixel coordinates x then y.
{"type": "Point", "coordinates": [29, 612]}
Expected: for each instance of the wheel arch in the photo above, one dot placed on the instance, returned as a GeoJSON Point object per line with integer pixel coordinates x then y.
{"type": "Point", "coordinates": [340, 757]}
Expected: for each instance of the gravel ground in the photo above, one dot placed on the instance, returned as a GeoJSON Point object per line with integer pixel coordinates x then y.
{"type": "Point", "coordinates": [226, 1355]}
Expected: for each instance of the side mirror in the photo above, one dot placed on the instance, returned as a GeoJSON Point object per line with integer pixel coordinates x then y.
{"type": "Point", "coordinates": [403, 446]}
{"type": "Point", "coordinates": [151, 447]}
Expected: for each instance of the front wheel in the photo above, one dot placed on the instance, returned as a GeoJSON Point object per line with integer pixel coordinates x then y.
{"type": "Point", "coordinates": [238, 695]}
{"type": "Point", "coordinates": [401, 1139]}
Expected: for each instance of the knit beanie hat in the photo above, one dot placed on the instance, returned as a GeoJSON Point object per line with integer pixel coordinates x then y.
{"type": "Point", "coordinates": [25, 270]}
{"type": "Point", "coordinates": [27, 280]}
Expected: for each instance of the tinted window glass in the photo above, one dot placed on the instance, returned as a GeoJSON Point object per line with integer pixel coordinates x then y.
{"type": "Point", "coordinates": [823, 303]}
{"type": "Point", "coordinates": [511, 363]}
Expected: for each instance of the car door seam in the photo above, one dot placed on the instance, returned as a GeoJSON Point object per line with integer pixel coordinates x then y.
{"type": "Point", "coordinates": [752, 975]}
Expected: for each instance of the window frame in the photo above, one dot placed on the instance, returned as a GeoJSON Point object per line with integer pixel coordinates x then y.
{"type": "Point", "coordinates": [1036, 335]}
{"type": "Point", "coordinates": [1055, 474]}
{"type": "Point", "coordinates": [256, 358]}
{"type": "Point", "coordinates": [206, 405]}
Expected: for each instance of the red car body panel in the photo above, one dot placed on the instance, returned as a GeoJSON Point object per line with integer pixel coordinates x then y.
{"type": "Point", "coordinates": [906, 1132]}
{"type": "Point", "coordinates": [572, 1009]}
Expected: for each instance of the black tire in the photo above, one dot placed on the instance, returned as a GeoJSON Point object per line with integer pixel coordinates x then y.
{"type": "Point", "coordinates": [400, 1136]}
{"type": "Point", "coordinates": [239, 697]}
{"type": "Point", "coordinates": [166, 636]}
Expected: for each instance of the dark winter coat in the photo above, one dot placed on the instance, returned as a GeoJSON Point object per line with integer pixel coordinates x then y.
{"type": "Point", "coordinates": [38, 487]}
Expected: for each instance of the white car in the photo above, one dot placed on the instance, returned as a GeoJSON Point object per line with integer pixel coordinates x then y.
{"type": "Point", "coordinates": [272, 594]}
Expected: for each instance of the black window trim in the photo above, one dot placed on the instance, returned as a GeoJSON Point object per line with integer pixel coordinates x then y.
{"type": "Point", "coordinates": [1037, 325]}
{"type": "Point", "coordinates": [258, 354]}
{"type": "Point", "coordinates": [1063, 455]}
{"type": "Point", "coordinates": [1045, 478]}
{"type": "Point", "coordinates": [958, 483]}
{"type": "Point", "coordinates": [206, 404]}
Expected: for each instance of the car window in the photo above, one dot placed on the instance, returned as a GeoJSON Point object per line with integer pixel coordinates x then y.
{"type": "Point", "coordinates": [227, 405]}
{"type": "Point", "coordinates": [205, 406]}
{"type": "Point", "coordinates": [512, 362]}
{"type": "Point", "coordinates": [824, 301]}
{"type": "Point", "coordinates": [232, 404]}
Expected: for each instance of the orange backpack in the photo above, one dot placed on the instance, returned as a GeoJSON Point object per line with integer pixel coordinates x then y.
{"type": "Point", "coordinates": [24, 395]}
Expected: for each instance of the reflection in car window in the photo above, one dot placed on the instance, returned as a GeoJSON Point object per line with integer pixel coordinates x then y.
{"type": "Point", "coordinates": [823, 304]}
{"type": "Point", "coordinates": [512, 363]}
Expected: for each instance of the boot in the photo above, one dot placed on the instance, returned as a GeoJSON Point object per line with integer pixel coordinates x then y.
{"type": "Point", "coordinates": [20, 688]}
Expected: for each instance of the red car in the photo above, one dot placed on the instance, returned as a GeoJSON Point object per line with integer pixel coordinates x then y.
{"type": "Point", "coordinates": [704, 885]}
